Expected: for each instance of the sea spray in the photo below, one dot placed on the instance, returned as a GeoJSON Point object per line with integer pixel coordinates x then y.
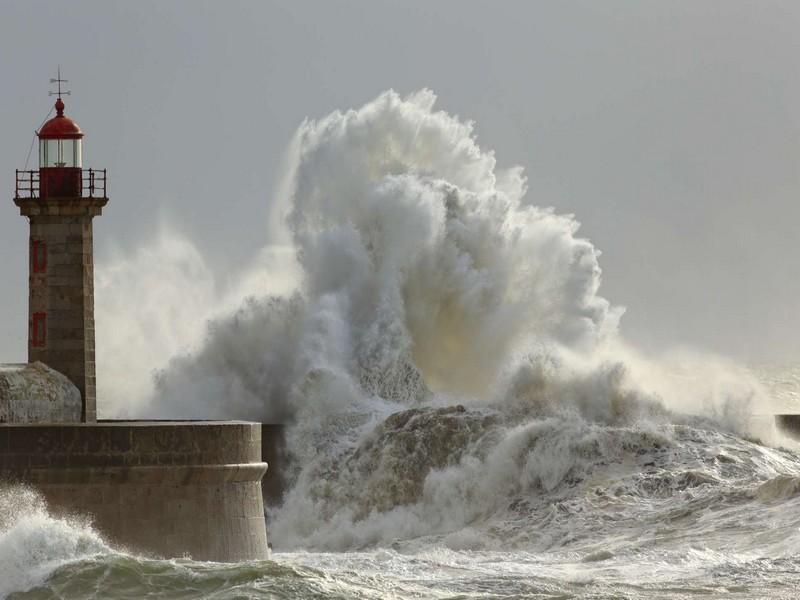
{"type": "Point", "coordinates": [138, 333]}
{"type": "Point", "coordinates": [444, 360]}
{"type": "Point", "coordinates": [34, 543]}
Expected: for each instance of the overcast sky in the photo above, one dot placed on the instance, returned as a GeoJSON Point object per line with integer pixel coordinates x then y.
{"type": "Point", "coordinates": [669, 129]}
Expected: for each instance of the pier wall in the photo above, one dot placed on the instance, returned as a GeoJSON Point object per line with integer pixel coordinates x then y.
{"type": "Point", "coordinates": [168, 489]}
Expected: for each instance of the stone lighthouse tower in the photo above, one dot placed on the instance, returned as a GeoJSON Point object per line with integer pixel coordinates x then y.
{"type": "Point", "coordinates": [60, 201]}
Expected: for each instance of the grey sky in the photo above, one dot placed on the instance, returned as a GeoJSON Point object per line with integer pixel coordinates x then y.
{"type": "Point", "coordinates": [669, 128]}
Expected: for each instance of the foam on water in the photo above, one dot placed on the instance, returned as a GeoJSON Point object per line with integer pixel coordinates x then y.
{"type": "Point", "coordinates": [34, 544]}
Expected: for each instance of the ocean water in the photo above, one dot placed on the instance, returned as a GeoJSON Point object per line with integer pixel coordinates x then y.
{"type": "Point", "coordinates": [466, 420]}
{"type": "Point", "coordinates": [680, 510]}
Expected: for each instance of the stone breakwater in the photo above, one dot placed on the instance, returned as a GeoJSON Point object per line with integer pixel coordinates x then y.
{"type": "Point", "coordinates": [168, 489]}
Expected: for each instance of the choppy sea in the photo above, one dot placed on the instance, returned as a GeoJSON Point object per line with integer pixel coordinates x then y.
{"type": "Point", "coordinates": [681, 510]}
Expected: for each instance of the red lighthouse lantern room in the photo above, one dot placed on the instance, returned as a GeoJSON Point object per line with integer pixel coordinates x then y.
{"type": "Point", "coordinates": [60, 159]}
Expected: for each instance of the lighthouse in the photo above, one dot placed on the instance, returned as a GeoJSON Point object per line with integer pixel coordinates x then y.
{"type": "Point", "coordinates": [168, 488]}
{"type": "Point", "coordinates": [60, 200]}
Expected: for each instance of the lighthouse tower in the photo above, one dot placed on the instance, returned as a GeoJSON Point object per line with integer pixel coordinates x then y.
{"type": "Point", "coordinates": [60, 200]}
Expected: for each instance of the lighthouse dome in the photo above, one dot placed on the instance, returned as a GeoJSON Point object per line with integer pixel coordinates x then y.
{"type": "Point", "coordinates": [60, 127]}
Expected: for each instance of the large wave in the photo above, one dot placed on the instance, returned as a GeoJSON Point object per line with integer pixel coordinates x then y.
{"type": "Point", "coordinates": [443, 352]}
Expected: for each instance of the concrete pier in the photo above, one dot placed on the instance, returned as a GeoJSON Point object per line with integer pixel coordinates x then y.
{"type": "Point", "coordinates": [166, 489]}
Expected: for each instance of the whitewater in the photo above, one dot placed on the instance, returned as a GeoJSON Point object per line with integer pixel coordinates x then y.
{"type": "Point", "coordinates": [464, 418]}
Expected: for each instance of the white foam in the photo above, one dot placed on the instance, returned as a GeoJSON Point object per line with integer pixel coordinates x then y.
{"type": "Point", "coordinates": [418, 274]}
{"type": "Point", "coordinates": [33, 543]}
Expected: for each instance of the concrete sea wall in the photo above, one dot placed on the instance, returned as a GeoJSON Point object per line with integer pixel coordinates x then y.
{"type": "Point", "coordinates": [168, 489]}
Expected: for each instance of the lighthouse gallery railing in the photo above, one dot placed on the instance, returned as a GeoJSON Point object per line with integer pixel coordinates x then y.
{"type": "Point", "coordinates": [93, 181]}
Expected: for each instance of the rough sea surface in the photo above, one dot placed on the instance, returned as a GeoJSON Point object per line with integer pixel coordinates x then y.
{"type": "Point", "coordinates": [635, 511]}
{"type": "Point", "coordinates": [465, 419]}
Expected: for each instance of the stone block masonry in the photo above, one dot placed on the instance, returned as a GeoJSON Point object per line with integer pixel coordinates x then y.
{"type": "Point", "coordinates": [61, 290]}
{"type": "Point", "coordinates": [166, 489]}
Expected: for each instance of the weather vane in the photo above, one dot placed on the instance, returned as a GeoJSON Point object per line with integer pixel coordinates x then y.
{"type": "Point", "coordinates": [59, 81]}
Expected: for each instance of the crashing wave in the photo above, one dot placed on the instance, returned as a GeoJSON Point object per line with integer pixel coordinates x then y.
{"type": "Point", "coordinates": [445, 356]}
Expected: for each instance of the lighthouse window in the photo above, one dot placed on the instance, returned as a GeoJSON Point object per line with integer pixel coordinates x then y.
{"type": "Point", "coordinates": [39, 256]}
{"type": "Point", "coordinates": [60, 153]}
{"type": "Point", "coordinates": [39, 329]}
